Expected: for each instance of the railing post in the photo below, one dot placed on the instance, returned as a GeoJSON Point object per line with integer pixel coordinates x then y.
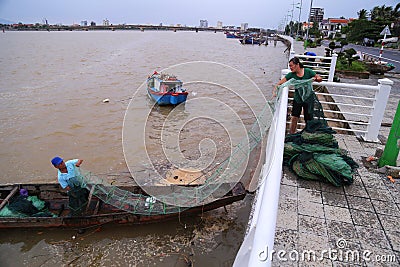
{"type": "Point", "coordinates": [332, 67]}
{"type": "Point", "coordinates": [381, 98]}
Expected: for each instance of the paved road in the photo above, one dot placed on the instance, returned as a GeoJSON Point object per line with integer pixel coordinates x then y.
{"type": "Point", "coordinates": [389, 55]}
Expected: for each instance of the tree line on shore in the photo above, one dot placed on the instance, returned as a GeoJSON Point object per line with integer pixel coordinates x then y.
{"type": "Point", "coordinates": [369, 24]}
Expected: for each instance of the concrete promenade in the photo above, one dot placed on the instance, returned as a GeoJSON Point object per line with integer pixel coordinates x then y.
{"type": "Point", "coordinates": [357, 225]}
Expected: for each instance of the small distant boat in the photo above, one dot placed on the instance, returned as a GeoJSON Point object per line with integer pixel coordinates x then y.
{"type": "Point", "coordinates": [166, 89]}
{"type": "Point", "coordinates": [233, 35]}
{"type": "Point", "coordinates": [230, 35]}
{"type": "Point", "coordinates": [252, 40]}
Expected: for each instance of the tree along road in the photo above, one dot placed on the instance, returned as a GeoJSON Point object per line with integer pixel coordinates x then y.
{"type": "Point", "coordinates": [389, 55]}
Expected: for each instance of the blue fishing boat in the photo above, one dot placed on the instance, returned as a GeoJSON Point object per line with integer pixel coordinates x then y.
{"type": "Point", "coordinates": [233, 35]}
{"type": "Point", "coordinates": [252, 40]}
{"type": "Point", "coordinates": [230, 35]}
{"type": "Point", "coordinates": [166, 89]}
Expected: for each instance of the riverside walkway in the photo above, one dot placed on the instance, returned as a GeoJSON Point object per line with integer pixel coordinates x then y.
{"type": "Point", "coordinates": [357, 225]}
{"type": "Point", "coordinates": [296, 222]}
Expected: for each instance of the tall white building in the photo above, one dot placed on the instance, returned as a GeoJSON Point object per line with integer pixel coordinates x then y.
{"type": "Point", "coordinates": [244, 26]}
{"type": "Point", "coordinates": [203, 23]}
{"type": "Point", "coordinates": [219, 25]}
{"type": "Point", "coordinates": [316, 14]}
{"type": "Point", "coordinates": [84, 23]}
{"type": "Point", "coordinates": [106, 22]}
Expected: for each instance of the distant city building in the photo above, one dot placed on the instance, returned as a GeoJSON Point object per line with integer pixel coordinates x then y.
{"type": "Point", "coordinates": [84, 23]}
{"type": "Point", "coordinates": [219, 25]}
{"type": "Point", "coordinates": [106, 22]}
{"type": "Point", "coordinates": [203, 23]}
{"type": "Point", "coordinates": [316, 14]}
{"type": "Point", "coordinates": [306, 25]}
{"type": "Point", "coordinates": [244, 26]}
{"type": "Point", "coordinates": [92, 23]}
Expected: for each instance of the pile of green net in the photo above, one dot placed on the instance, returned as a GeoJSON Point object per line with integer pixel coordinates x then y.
{"type": "Point", "coordinates": [314, 154]}
{"type": "Point", "coordinates": [30, 206]}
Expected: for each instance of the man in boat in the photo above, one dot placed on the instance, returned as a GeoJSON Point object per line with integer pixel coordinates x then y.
{"type": "Point", "coordinates": [68, 179]}
{"type": "Point", "coordinates": [298, 72]}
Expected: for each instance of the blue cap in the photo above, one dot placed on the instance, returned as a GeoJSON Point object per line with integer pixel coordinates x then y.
{"type": "Point", "coordinates": [23, 192]}
{"type": "Point", "coordinates": [56, 161]}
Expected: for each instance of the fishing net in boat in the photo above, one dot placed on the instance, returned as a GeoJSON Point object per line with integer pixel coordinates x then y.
{"type": "Point", "coordinates": [20, 207]}
{"type": "Point", "coordinates": [314, 154]}
{"type": "Point", "coordinates": [176, 198]}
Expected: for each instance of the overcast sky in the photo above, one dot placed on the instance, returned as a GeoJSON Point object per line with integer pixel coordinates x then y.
{"type": "Point", "coordinates": [258, 13]}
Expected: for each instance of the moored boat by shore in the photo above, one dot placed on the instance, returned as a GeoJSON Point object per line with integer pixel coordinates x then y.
{"type": "Point", "coordinates": [98, 212]}
{"type": "Point", "coordinates": [233, 35]}
{"type": "Point", "coordinates": [253, 40]}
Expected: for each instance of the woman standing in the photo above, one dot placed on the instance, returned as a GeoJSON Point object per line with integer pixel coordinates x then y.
{"type": "Point", "coordinates": [298, 72]}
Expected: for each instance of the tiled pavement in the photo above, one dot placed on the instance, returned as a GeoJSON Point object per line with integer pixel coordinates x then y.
{"type": "Point", "coordinates": [358, 224]}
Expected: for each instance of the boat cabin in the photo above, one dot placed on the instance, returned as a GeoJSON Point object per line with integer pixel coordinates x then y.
{"type": "Point", "coordinates": [169, 85]}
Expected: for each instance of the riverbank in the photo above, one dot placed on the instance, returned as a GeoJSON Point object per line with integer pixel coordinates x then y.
{"type": "Point", "coordinates": [322, 225]}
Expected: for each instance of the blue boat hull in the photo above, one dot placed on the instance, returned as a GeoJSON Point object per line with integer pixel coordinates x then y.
{"type": "Point", "coordinates": [167, 98]}
{"type": "Point", "coordinates": [251, 41]}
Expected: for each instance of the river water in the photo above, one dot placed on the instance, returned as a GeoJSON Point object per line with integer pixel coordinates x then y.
{"type": "Point", "coordinates": [52, 87]}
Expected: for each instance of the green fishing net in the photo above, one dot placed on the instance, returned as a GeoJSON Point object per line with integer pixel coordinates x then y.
{"type": "Point", "coordinates": [313, 153]}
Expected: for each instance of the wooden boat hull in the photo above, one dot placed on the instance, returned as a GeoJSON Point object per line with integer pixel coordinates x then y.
{"type": "Point", "coordinates": [107, 214]}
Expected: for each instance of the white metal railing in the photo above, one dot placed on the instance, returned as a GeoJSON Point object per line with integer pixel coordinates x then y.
{"type": "Point", "coordinates": [363, 113]}
{"type": "Point", "coordinates": [323, 66]}
{"type": "Point", "coordinates": [256, 249]}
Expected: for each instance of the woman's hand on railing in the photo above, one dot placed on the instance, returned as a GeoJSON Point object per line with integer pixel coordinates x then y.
{"type": "Point", "coordinates": [317, 78]}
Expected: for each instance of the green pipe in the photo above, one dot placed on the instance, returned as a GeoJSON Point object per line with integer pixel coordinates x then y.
{"type": "Point", "coordinates": [391, 151]}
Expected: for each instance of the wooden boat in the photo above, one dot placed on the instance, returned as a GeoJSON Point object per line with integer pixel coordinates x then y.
{"type": "Point", "coordinates": [166, 89]}
{"type": "Point", "coordinates": [96, 211]}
